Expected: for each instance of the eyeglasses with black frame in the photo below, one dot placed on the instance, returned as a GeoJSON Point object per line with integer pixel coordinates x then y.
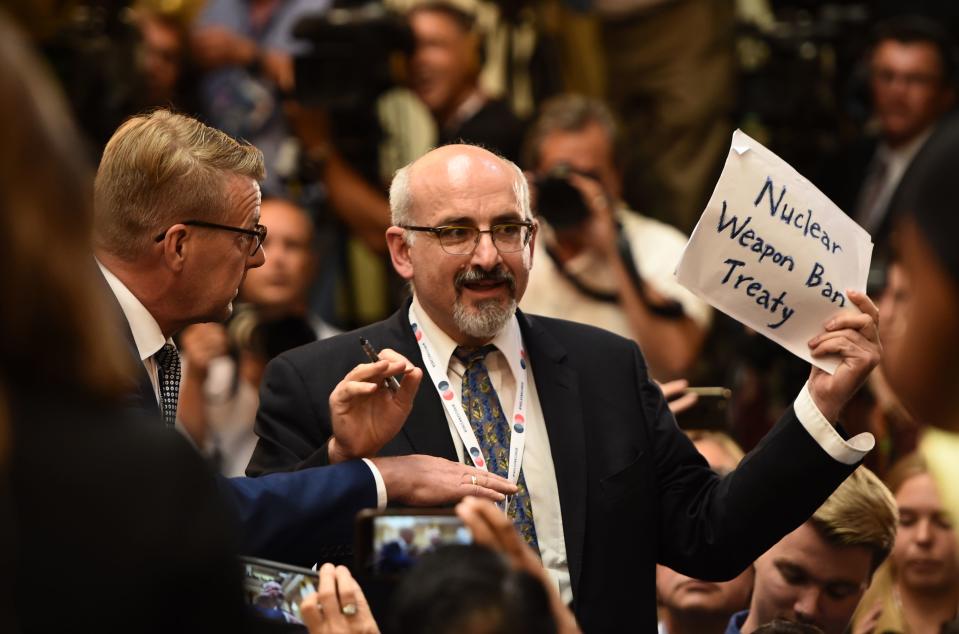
{"type": "Point", "coordinates": [258, 232]}
{"type": "Point", "coordinates": [508, 237]}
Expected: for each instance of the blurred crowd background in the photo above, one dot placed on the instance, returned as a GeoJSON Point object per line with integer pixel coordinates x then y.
{"type": "Point", "coordinates": [339, 93]}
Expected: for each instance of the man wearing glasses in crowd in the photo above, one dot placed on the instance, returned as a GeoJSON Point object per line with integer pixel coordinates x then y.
{"type": "Point", "coordinates": [607, 484]}
{"type": "Point", "coordinates": [177, 227]}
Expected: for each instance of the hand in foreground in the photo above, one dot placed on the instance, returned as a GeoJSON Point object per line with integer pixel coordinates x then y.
{"type": "Point", "coordinates": [491, 528]}
{"type": "Point", "coordinates": [855, 338]}
{"type": "Point", "coordinates": [338, 606]}
{"type": "Point", "coordinates": [676, 396]}
{"type": "Point", "coordinates": [431, 481]}
{"type": "Point", "coordinates": [364, 414]}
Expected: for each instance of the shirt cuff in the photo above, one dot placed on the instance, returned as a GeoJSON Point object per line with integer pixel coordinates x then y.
{"type": "Point", "coordinates": [823, 432]}
{"type": "Point", "coordinates": [380, 485]}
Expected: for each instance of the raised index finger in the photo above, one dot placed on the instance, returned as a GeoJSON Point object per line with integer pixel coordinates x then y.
{"type": "Point", "coordinates": [863, 303]}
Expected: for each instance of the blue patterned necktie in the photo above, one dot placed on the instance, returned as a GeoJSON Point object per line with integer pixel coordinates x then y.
{"type": "Point", "coordinates": [168, 380]}
{"type": "Point", "coordinates": [488, 421]}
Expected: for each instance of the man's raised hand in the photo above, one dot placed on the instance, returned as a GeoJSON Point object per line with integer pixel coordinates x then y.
{"type": "Point", "coordinates": [364, 414]}
{"type": "Point", "coordinates": [854, 337]}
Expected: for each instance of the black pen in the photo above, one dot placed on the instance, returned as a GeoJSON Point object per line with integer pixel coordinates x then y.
{"type": "Point", "coordinates": [389, 383]}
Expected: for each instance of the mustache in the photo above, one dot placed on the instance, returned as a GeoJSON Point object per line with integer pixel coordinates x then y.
{"type": "Point", "coordinates": [476, 274]}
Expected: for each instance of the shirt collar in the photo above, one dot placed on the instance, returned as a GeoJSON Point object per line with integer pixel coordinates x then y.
{"type": "Point", "coordinates": [509, 338]}
{"type": "Point", "coordinates": [146, 331]}
{"type": "Point", "coordinates": [903, 155]}
{"type": "Point", "coordinates": [736, 622]}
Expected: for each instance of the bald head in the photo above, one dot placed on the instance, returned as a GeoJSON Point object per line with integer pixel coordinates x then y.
{"type": "Point", "coordinates": [470, 279]}
{"type": "Point", "coordinates": [452, 169]}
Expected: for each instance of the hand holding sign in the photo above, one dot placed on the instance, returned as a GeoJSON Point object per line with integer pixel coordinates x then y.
{"type": "Point", "coordinates": [855, 338]}
{"type": "Point", "coordinates": [774, 253]}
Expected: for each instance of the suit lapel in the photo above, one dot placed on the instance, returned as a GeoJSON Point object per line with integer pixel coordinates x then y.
{"type": "Point", "coordinates": [140, 396]}
{"type": "Point", "coordinates": [426, 429]}
{"type": "Point", "coordinates": [557, 385]}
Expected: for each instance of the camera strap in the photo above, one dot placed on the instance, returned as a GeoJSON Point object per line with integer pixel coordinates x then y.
{"type": "Point", "coordinates": [519, 366]}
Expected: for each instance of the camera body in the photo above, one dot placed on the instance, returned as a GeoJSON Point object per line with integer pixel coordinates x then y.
{"type": "Point", "coordinates": [558, 200]}
{"type": "Point", "coordinates": [356, 52]}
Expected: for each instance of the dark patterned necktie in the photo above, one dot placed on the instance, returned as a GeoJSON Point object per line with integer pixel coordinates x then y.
{"type": "Point", "coordinates": [168, 378]}
{"type": "Point", "coordinates": [488, 421]}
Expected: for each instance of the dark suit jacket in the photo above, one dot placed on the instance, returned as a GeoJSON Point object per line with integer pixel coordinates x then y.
{"type": "Point", "coordinates": [119, 527]}
{"type": "Point", "coordinates": [299, 518]}
{"type": "Point", "coordinates": [633, 490]}
{"type": "Point", "coordinates": [842, 177]}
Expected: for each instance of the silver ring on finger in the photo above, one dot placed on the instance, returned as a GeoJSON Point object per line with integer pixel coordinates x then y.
{"type": "Point", "coordinates": [473, 480]}
{"type": "Point", "coordinates": [349, 609]}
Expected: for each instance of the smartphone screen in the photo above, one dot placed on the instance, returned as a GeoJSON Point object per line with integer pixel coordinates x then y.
{"type": "Point", "coordinates": [274, 590]}
{"type": "Point", "coordinates": [392, 541]}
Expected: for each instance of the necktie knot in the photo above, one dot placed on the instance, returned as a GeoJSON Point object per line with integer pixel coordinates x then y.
{"type": "Point", "coordinates": [469, 356]}
{"type": "Point", "coordinates": [167, 356]}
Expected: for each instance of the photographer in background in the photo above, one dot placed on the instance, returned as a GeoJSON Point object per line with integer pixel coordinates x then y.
{"type": "Point", "coordinates": [912, 84]}
{"type": "Point", "coordinates": [598, 262]}
{"type": "Point", "coordinates": [444, 74]}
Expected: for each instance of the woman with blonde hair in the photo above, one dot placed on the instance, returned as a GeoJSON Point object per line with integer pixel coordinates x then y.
{"type": "Point", "coordinates": [917, 590]}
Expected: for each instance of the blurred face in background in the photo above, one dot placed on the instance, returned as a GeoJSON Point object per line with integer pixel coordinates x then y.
{"type": "Point", "coordinates": [679, 593]}
{"type": "Point", "coordinates": [924, 555]}
{"type": "Point", "coordinates": [161, 57]}
{"type": "Point", "coordinates": [919, 357]}
{"type": "Point", "coordinates": [909, 90]}
{"type": "Point", "coordinates": [283, 282]}
{"type": "Point", "coordinates": [445, 63]}
{"type": "Point", "coordinates": [589, 151]}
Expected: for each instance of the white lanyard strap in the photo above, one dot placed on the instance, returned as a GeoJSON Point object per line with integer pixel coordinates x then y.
{"type": "Point", "coordinates": [518, 364]}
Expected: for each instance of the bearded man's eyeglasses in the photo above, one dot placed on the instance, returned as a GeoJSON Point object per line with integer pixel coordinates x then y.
{"type": "Point", "coordinates": [508, 237]}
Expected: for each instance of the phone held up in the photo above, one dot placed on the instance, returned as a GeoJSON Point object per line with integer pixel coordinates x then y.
{"type": "Point", "coordinates": [389, 542]}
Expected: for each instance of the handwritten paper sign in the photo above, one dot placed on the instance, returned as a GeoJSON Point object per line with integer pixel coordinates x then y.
{"type": "Point", "coordinates": [772, 252]}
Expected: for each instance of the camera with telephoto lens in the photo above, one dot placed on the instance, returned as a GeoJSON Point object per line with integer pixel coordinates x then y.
{"type": "Point", "coordinates": [356, 51]}
{"type": "Point", "coordinates": [558, 200]}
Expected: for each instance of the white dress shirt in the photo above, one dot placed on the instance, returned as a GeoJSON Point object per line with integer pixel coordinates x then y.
{"type": "Point", "coordinates": [538, 460]}
{"type": "Point", "coordinates": [890, 165]}
{"type": "Point", "coordinates": [656, 247]}
{"type": "Point", "coordinates": [149, 340]}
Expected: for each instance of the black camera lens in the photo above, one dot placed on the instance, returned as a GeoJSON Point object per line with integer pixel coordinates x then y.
{"type": "Point", "coordinates": [558, 200]}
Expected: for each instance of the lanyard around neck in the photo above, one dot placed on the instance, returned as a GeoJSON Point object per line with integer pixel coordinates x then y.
{"type": "Point", "coordinates": [518, 365]}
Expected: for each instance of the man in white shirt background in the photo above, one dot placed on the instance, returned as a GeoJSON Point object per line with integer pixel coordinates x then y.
{"type": "Point", "coordinates": [582, 271]}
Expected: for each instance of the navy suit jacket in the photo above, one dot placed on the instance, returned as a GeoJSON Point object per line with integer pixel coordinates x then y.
{"type": "Point", "coordinates": [633, 490]}
{"type": "Point", "coordinates": [299, 518]}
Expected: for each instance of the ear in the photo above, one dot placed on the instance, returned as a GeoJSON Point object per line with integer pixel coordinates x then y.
{"type": "Point", "coordinates": [532, 243]}
{"type": "Point", "coordinates": [399, 252]}
{"type": "Point", "coordinates": [174, 247]}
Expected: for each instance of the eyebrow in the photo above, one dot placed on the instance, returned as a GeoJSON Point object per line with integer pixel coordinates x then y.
{"type": "Point", "coordinates": [508, 216]}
